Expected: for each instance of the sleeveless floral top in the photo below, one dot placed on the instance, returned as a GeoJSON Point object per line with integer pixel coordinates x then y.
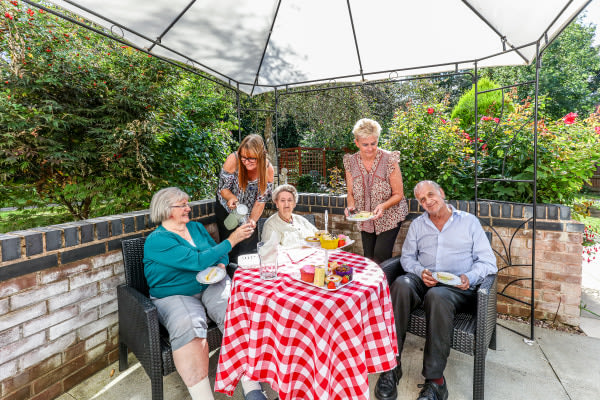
{"type": "Point", "coordinates": [247, 197]}
{"type": "Point", "coordinates": [373, 188]}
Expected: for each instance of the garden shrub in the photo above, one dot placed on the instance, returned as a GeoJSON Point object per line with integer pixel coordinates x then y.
{"type": "Point", "coordinates": [431, 147]}
{"type": "Point", "coordinates": [97, 126]}
{"type": "Point", "coordinates": [68, 101]}
{"type": "Point", "coordinates": [488, 104]}
{"type": "Point", "coordinates": [305, 184]}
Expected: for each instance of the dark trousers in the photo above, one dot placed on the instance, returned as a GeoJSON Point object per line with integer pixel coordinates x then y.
{"type": "Point", "coordinates": [441, 303]}
{"type": "Point", "coordinates": [379, 247]}
{"type": "Point", "coordinates": [246, 246]}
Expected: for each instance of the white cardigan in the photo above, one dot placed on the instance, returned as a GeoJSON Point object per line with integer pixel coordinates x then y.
{"type": "Point", "coordinates": [290, 235]}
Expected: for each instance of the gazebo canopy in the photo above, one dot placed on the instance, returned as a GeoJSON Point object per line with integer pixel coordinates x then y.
{"type": "Point", "coordinates": [260, 45]}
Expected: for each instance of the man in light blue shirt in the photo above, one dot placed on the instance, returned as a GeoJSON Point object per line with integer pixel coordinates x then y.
{"type": "Point", "coordinates": [442, 239]}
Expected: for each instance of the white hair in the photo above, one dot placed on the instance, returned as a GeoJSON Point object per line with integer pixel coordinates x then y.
{"type": "Point", "coordinates": [285, 188]}
{"type": "Point", "coordinates": [435, 185]}
{"type": "Point", "coordinates": [160, 206]}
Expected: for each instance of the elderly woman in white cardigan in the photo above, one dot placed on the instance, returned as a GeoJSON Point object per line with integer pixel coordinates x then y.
{"type": "Point", "coordinates": [291, 229]}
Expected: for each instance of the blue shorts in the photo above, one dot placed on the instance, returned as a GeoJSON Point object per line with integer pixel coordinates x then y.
{"type": "Point", "coordinates": [185, 316]}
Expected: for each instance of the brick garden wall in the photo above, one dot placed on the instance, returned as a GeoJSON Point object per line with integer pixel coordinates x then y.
{"type": "Point", "coordinates": [58, 306]}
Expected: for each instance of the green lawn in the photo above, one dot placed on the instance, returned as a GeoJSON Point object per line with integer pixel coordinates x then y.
{"type": "Point", "coordinates": [31, 218]}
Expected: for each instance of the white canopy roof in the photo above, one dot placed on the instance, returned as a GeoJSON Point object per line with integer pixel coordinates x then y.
{"type": "Point", "coordinates": [263, 44]}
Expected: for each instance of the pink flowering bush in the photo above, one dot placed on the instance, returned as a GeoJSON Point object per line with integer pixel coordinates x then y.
{"type": "Point", "coordinates": [433, 146]}
{"type": "Point", "coordinates": [591, 247]}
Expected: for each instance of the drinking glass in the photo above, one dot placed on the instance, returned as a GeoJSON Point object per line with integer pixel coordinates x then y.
{"type": "Point", "coordinates": [268, 261]}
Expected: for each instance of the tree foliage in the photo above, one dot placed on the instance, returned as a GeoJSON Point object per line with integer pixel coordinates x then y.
{"type": "Point", "coordinates": [569, 74]}
{"type": "Point", "coordinates": [492, 104]}
{"type": "Point", "coordinates": [67, 106]}
{"type": "Point", "coordinates": [97, 125]}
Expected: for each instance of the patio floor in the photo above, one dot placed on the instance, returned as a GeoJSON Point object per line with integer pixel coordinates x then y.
{"type": "Point", "coordinates": [555, 366]}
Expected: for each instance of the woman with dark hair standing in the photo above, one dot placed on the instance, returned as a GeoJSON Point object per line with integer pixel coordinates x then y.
{"type": "Point", "coordinates": [374, 184]}
{"type": "Point", "coordinates": [245, 179]}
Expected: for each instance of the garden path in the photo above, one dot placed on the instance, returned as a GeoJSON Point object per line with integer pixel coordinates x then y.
{"type": "Point", "coordinates": [590, 297]}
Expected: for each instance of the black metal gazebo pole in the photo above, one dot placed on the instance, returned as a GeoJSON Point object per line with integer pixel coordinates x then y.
{"type": "Point", "coordinates": [475, 88]}
{"type": "Point", "coordinates": [538, 64]}
{"type": "Point", "coordinates": [275, 121]}
{"type": "Point", "coordinates": [239, 118]}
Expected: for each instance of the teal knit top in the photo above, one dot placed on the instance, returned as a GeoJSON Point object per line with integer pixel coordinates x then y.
{"type": "Point", "coordinates": [171, 263]}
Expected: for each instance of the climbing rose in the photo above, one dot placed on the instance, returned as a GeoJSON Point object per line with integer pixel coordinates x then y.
{"type": "Point", "coordinates": [486, 118]}
{"type": "Point", "coordinates": [496, 120]}
{"type": "Point", "coordinates": [597, 129]}
{"type": "Point", "coordinates": [430, 110]}
{"type": "Point", "coordinates": [569, 118]}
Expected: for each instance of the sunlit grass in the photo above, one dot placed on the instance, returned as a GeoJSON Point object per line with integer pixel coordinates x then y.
{"type": "Point", "coordinates": [30, 218]}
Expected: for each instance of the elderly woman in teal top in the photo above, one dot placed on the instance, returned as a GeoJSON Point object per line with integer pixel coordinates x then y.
{"type": "Point", "coordinates": [173, 255]}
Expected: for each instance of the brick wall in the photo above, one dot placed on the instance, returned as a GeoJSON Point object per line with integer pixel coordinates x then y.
{"type": "Point", "coordinates": [58, 308]}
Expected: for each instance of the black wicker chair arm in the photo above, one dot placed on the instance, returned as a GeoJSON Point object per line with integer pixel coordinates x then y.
{"type": "Point", "coordinates": [138, 325]}
{"type": "Point", "coordinates": [486, 310]}
{"type": "Point", "coordinates": [392, 269]}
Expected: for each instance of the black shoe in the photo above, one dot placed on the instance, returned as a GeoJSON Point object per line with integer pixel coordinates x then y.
{"type": "Point", "coordinates": [433, 391]}
{"type": "Point", "coordinates": [385, 389]}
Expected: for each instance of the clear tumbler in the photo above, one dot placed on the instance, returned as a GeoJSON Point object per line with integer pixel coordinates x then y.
{"type": "Point", "coordinates": [268, 261]}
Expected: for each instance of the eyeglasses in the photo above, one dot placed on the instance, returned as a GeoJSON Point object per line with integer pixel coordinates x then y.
{"type": "Point", "coordinates": [186, 205]}
{"type": "Point", "coordinates": [248, 159]}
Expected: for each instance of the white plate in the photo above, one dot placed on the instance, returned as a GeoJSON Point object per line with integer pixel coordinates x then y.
{"type": "Point", "coordinates": [355, 218]}
{"type": "Point", "coordinates": [455, 280]}
{"type": "Point", "coordinates": [296, 275]}
{"type": "Point", "coordinates": [215, 277]}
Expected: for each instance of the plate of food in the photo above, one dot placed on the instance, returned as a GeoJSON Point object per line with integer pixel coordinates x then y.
{"type": "Point", "coordinates": [211, 275]}
{"type": "Point", "coordinates": [360, 216]}
{"type": "Point", "coordinates": [329, 241]}
{"type": "Point", "coordinates": [446, 278]}
{"type": "Point", "coordinates": [316, 276]}
{"type": "Point", "coordinates": [312, 239]}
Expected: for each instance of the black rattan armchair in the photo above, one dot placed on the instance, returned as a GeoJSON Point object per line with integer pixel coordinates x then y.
{"type": "Point", "coordinates": [139, 329]}
{"type": "Point", "coordinates": [473, 333]}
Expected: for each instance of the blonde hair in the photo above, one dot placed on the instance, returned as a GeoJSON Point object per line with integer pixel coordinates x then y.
{"type": "Point", "coordinates": [160, 205]}
{"type": "Point", "coordinates": [365, 128]}
{"type": "Point", "coordinates": [255, 145]}
{"type": "Point", "coordinates": [285, 188]}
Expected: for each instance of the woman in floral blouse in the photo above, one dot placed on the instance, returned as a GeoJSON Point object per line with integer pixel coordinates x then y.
{"type": "Point", "coordinates": [374, 184]}
{"type": "Point", "coordinates": [246, 178]}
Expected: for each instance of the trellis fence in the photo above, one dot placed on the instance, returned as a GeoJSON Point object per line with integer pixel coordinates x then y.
{"type": "Point", "coordinates": [314, 161]}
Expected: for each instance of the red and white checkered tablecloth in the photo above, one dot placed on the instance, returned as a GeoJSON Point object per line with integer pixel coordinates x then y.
{"type": "Point", "coordinates": [306, 342]}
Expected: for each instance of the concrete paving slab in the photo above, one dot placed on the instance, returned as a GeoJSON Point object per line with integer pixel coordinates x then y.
{"type": "Point", "coordinates": [590, 326]}
{"type": "Point", "coordinates": [574, 358]}
{"type": "Point", "coordinates": [590, 273]}
{"type": "Point", "coordinates": [590, 303]}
